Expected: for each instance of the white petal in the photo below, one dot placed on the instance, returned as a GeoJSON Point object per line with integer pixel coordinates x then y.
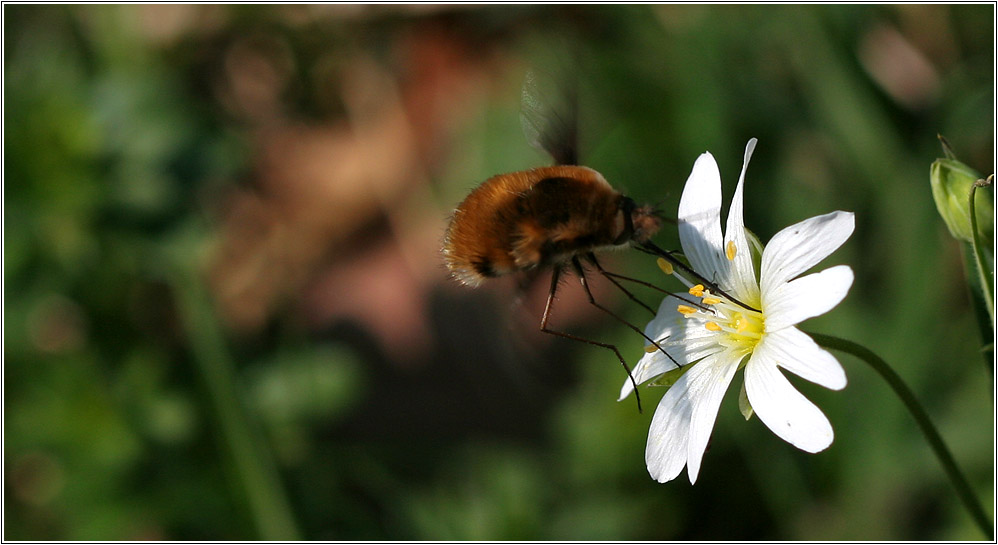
{"type": "Point", "coordinates": [650, 366]}
{"type": "Point", "coordinates": [793, 350]}
{"type": "Point", "coordinates": [681, 338]}
{"type": "Point", "coordinates": [708, 380]}
{"type": "Point", "coordinates": [802, 245]}
{"type": "Point", "coordinates": [696, 396]}
{"type": "Point", "coordinates": [655, 363]}
{"type": "Point", "coordinates": [687, 338]}
{"type": "Point", "coordinates": [741, 278]}
{"type": "Point", "coordinates": [668, 435]}
{"type": "Point", "coordinates": [700, 216]}
{"type": "Point", "coordinates": [782, 408]}
{"type": "Point", "coordinates": [808, 296]}
{"type": "Point", "coordinates": [668, 322]}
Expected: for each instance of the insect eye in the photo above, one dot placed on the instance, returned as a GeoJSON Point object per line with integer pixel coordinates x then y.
{"type": "Point", "coordinates": [627, 206]}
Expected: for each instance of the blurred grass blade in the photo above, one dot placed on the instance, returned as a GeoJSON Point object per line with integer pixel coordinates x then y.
{"type": "Point", "coordinates": [254, 471]}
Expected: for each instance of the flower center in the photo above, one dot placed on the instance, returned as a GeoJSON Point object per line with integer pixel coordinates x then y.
{"type": "Point", "coordinates": [734, 326]}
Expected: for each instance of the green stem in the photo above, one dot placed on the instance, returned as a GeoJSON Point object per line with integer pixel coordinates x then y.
{"type": "Point", "coordinates": [942, 452]}
{"type": "Point", "coordinates": [987, 281]}
{"type": "Point", "coordinates": [975, 292]}
{"type": "Point", "coordinates": [257, 475]}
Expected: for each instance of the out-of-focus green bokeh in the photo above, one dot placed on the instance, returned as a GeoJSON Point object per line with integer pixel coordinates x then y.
{"type": "Point", "coordinates": [226, 316]}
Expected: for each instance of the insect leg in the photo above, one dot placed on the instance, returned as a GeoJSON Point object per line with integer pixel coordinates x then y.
{"type": "Point", "coordinates": [592, 300]}
{"type": "Point", "coordinates": [544, 327]}
{"type": "Point", "coordinates": [609, 276]}
{"type": "Point", "coordinates": [664, 291]}
{"type": "Point", "coordinates": [655, 250]}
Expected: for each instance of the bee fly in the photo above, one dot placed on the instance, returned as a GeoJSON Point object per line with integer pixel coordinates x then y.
{"type": "Point", "coordinates": [554, 217]}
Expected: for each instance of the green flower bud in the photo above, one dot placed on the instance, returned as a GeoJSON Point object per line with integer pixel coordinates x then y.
{"type": "Point", "coordinates": [951, 181]}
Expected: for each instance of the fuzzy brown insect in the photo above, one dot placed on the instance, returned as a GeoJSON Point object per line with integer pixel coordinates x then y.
{"type": "Point", "coordinates": [555, 216]}
{"type": "Point", "coordinates": [546, 217]}
{"type": "Point", "coordinates": [540, 217]}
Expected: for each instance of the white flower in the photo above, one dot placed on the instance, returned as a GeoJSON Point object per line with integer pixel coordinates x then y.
{"type": "Point", "coordinates": [720, 335]}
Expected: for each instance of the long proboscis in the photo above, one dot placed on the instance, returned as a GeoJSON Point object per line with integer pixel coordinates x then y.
{"type": "Point", "coordinates": [654, 249]}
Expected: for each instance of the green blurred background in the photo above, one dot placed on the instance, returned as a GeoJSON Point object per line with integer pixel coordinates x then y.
{"type": "Point", "coordinates": [227, 317]}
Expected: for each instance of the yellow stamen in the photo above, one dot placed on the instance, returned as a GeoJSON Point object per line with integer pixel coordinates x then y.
{"type": "Point", "coordinates": [664, 265]}
{"type": "Point", "coordinates": [730, 250]}
{"type": "Point", "coordinates": [711, 300]}
{"type": "Point", "coordinates": [697, 290]}
{"type": "Point", "coordinates": [686, 310]}
{"type": "Point", "coordinates": [712, 326]}
{"type": "Point", "coordinates": [651, 348]}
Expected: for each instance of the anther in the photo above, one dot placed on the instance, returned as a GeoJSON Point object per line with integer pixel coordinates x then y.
{"type": "Point", "coordinates": [730, 250]}
{"type": "Point", "coordinates": [664, 265]}
{"type": "Point", "coordinates": [686, 311]}
{"type": "Point", "coordinates": [651, 348]}
{"type": "Point", "coordinates": [712, 326]}
{"type": "Point", "coordinates": [697, 290]}
{"type": "Point", "coordinates": [711, 300]}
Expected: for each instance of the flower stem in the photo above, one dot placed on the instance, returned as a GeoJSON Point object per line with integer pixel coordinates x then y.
{"type": "Point", "coordinates": [942, 452]}
{"type": "Point", "coordinates": [987, 281]}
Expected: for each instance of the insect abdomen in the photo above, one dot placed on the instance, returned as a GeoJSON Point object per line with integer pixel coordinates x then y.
{"type": "Point", "coordinates": [527, 219]}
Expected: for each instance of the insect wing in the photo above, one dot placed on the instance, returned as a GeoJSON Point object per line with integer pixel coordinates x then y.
{"type": "Point", "coordinates": [549, 116]}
